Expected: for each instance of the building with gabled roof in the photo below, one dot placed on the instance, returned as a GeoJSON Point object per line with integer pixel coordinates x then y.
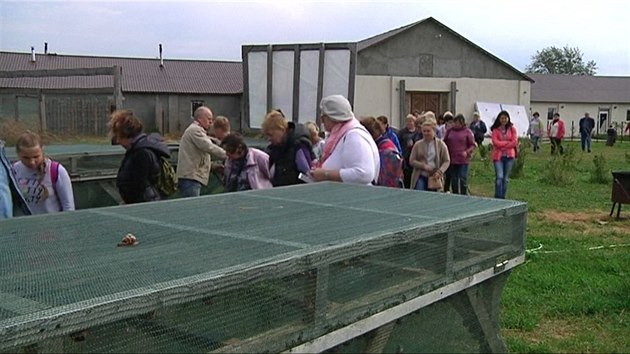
{"type": "Point", "coordinates": [161, 92]}
{"type": "Point", "coordinates": [605, 98]}
{"type": "Point", "coordinates": [434, 68]}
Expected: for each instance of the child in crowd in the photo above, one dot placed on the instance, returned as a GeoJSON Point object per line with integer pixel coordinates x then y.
{"type": "Point", "coordinates": [318, 142]}
{"type": "Point", "coordinates": [44, 183]}
{"type": "Point", "coordinates": [245, 168]}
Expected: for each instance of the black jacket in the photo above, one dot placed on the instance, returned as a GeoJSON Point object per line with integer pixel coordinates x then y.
{"type": "Point", "coordinates": [283, 156]}
{"type": "Point", "coordinates": [140, 169]}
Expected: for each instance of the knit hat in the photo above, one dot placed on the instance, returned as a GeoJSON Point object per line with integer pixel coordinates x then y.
{"type": "Point", "coordinates": [337, 108]}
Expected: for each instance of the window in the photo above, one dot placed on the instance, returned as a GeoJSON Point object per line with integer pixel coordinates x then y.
{"type": "Point", "coordinates": [628, 115]}
{"type": "Point", "coordinates": [550, 112]}
{"type": "Point", "coordinates": [194, 104]}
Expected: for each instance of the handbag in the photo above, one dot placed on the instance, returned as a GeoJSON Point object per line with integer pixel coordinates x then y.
{"type": "Point", "coordinates": [436, 182]}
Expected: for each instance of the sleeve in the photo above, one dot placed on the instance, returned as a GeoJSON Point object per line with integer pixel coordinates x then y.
{"type": "Point", "coordinates": [413, 157]}
{"type": "Point", "coordinates": [64, 190]}
{"type": "Point", "coordinates": [497, 142]}
{"type": "Point", "coordinates": [445, 158]}
{"type": "Point", "coordinates": [205, 144]}
{"type": "Point", "coordinates": [262, 163]}
{"type": "Point", "coordinates": [134, 178]}
{"type": "Point", "coordinates": [303, 162]}
{"type": "Point", "coordinates": [358, 162]}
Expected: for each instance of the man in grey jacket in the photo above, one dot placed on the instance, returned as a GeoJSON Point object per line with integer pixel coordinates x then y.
{"type": "Point", "coordinates": [194, 156]}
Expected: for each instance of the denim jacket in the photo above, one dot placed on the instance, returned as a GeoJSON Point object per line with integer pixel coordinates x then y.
{"type": "Point", "coordinates": [12, 201]}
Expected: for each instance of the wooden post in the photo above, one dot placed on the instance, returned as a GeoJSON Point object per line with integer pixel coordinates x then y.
{"type": "Point", "coordinates": [117, 73]}
{"type": "Point", "coordinates": [42, 113]}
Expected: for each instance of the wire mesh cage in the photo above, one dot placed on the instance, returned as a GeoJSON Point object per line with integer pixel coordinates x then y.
{"type": "Point", "coordinates": [257, 271]}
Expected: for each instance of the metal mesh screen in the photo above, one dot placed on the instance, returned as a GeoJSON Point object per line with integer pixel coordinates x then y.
{"type": "Point", "coordinates": [254, 271]}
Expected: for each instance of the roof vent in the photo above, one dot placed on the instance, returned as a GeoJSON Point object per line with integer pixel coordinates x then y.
{"type": "Point", "coordinates": [32, 54]}
{"type": "Point", "coordinates": [161, 60]}
{"type": "Point", "coordinates": [45, 48]}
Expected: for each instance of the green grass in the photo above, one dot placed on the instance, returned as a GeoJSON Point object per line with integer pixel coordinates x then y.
{"type": "Point", "coordinates": [573, 292]}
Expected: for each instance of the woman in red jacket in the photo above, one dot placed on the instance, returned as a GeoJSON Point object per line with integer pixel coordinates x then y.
{"type": "Point", "coordinates": [504, 144]}
{"type": "Point", "coordinates": [556, 133]}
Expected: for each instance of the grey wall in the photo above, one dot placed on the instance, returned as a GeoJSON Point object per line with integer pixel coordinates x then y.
{"type": "Point", "coordinates": [430, 50]}
{"type": "Point", "coordinates": [177, 109]}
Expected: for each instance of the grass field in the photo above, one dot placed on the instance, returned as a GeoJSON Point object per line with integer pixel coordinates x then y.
{"type": "Point", "coordinates": [573, 292]}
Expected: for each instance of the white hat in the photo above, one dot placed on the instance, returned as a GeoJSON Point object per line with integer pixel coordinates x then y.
{"type": "Point", "coordinates": [337, 108]}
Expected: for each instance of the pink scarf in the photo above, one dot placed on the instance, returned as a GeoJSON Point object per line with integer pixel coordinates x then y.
{"type": "Point", "coordinates": [336, 134]}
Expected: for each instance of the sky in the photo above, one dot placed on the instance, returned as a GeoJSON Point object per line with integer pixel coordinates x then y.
{"type": "Point", "coordinates": [215, 30]}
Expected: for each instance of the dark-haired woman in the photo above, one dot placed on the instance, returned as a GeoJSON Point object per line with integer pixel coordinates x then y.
{"type": "Point", "coordinates": [504, 145]}
{"type": "Point", "coordinates": [140, 168]}
{"type": "Point", "coordinates": [245, 168]}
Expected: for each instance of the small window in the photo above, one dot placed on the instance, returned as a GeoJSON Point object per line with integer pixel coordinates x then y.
{"type": "Point", "coordinates": [550, 112]}
{"type": "Point", "coordinates": [194, 105]}
{"type": "Point", "coordinates": [628, 115]}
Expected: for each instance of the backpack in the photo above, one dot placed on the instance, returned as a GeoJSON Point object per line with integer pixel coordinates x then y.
{"type": "Point", "coordinates": [166, 181]}
{"type": "Point", "coordinates": [390, 173]}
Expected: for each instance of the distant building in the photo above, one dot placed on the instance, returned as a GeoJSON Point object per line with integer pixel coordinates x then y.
{"type": "Point", "coordinates": [435, 69]}
{"type": "Point", "coordinates": [605, 98]}
{"type": "Point", "coordinates": [162, 93]}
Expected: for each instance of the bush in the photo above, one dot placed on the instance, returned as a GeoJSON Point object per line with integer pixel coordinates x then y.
{"type": "Point", "coordinates": [523, 150]}
{"type": "Point", "coordinates": [600, 171]}
{"type": "Point", "coordinates": [560, 169]}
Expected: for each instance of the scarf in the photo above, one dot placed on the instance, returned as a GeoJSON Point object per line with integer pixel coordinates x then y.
{"type": "Point", "coordinates": [337, 133]}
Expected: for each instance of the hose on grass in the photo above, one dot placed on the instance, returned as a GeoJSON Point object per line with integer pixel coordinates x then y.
{"type": "Point", "coordinates": [594, 248]}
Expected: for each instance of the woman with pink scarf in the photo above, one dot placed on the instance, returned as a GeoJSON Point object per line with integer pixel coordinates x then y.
{"type": "Point", "coordinates": [350, 154]}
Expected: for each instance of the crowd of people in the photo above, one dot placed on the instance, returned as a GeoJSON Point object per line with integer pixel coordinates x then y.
{"type": "Point", "coordinates": [429, 153]}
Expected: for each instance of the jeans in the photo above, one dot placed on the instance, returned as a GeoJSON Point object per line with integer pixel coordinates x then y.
{"type": "Point", "coordinates": [536, 143]}
{"type": "Point", "coordinates": [586, 142]}
{"type": "Point", "coordinates": [422, 184]}
{"type": "Point", "coordinates": [459, 179]}
{"type": "Point", "coordinates": [188, 187]}
{"type": "Point", "coordinates": [502, 168]}
{"type": "Point", "coordinates": [556, 144]}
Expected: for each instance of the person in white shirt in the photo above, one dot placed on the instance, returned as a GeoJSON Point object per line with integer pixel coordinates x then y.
{"type": "Point", "coordinates": [350, 153]}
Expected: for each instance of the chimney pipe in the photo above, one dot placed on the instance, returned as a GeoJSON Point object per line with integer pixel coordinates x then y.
{"type": "Point", "coordinates": [32, 54]}
{"type": "Point", "coordinates": [46, 48]}
{"type": "Point", "coordinates": [161, 60]}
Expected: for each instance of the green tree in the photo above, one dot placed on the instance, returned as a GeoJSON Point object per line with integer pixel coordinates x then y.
{"type": "Point", "coordinates": [553, 60]}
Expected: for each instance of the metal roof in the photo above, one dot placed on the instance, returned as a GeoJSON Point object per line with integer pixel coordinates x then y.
{"type": "Point", "coordinates": [139, 74]}
{"type": "Point", "coordinates": [366, 43]}
{"type": "Point", "coordinates": [580, 89]}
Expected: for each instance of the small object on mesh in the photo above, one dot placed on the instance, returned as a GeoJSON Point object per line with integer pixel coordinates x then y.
{"type": "Point", "coordinates": [129, 240]}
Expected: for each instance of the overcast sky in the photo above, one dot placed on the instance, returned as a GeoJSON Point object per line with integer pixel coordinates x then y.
{"type": "Point", "coordinates": [216, 30]}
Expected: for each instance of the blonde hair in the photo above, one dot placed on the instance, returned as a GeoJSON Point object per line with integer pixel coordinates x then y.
{"type": "Point", "coordinates": [313, 129]}
{"type": "Point", "coordinates": [28, 140]}
{"type": "Point", "coordinates": [430, 122]}
{"type": "Point", "coordinates": [410, 118]}
{"type": "Point", "coordinates": [222, 123]}
{"type": "Point", "coordinates": [275, 120]}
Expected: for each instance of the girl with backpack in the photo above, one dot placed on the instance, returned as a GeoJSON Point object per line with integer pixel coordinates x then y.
{"type": "Point", "coordinates": [390, 172]}
{"type": "Point", "coordinates": [45, 183]}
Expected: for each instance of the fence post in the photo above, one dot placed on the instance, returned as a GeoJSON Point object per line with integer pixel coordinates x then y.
{"type": "Point", "coordinates": [42, 113]}
{"type": "Point", "coordinates": [117, 72]}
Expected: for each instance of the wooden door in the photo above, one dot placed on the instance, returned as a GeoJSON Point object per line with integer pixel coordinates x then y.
{"type": "Point", "coordinates": [427, 101]}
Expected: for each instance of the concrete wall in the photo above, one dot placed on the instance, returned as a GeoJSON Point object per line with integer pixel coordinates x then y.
{"type": "Point", "coordinates": [572, 112]}
{"type": "Point", "coordinates": [430, 50]}
{"type": "Point", "coordinates": [177, 109]}
{"type": "Point", "coordinates": [380, 95]}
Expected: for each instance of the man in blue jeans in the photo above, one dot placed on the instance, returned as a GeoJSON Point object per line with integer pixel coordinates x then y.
{"type": "Point", "coordinates": [586, 129]}
{"type": "Point", "coordinates": [12, 201]}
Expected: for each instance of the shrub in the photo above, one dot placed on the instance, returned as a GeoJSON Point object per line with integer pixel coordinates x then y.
{"type": "Point", "coordinates": [600, 171]}
{"type": "Point", "coordinates": [560, 169]}
{"type": "Point", "coordinates": [523, 149]}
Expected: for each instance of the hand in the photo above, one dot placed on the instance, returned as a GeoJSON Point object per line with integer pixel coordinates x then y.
{"type": "Point", "coordinates": [319, 174]}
